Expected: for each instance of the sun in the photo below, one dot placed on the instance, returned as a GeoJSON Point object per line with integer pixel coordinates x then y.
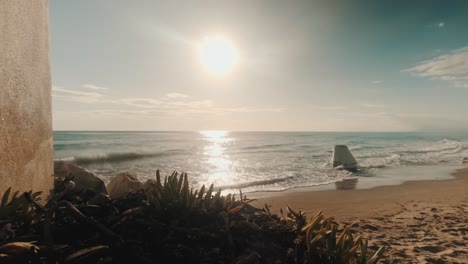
{"type": "Point", "coordinates": [217, 55]}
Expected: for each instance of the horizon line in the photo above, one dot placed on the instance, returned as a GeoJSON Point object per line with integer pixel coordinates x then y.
{"type": "Point", "coordinates": [295, 131]}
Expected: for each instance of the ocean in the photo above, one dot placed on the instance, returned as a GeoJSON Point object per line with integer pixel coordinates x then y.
{"type": "Point", "coordinates": [263, 161]}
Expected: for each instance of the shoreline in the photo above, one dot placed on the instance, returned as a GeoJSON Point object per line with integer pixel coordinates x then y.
{"type": "Point", "coordinates": [418, 221]}
{"type": "Point", "coordinates": [408, 189]}
{"type": "Point", "coordinates": [446, 172]}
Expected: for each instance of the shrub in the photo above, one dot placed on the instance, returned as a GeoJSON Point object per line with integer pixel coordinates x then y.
{"type": "Point", "coordinates": [168, 222]}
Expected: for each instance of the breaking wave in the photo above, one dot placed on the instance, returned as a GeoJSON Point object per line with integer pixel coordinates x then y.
{"type": "Point", "coordinates": [441, 151]}
{"type": "Point", "coordinates": [118, 157]}
{"type": "Point", "coordinates": [255, 183]}
{"type": "Point", "coordinates": [445, 145]}
{"type": "Point", "coordinates": [255, 161]}
{"type": "Point", "coordinates": [265, 146]}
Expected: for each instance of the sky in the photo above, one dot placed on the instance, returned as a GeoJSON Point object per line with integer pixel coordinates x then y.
{"type": "Point", "coordinates": [301, 65]}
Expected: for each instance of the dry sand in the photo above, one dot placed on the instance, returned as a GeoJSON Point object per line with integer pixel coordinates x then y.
{"type": "Point", "coordinates": [418, 222]}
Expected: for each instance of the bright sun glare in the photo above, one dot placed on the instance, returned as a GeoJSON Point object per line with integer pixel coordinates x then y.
{"type": "Point", "coordinates": [218, 55]}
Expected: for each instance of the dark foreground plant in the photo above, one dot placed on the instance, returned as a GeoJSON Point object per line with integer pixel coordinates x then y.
{"type": "Point", "coordinates": [167, 222]}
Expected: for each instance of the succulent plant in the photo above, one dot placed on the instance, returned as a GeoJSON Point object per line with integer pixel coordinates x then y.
{"type": "Point", "coordinates": [325, 242]}
{"type": "Point", "coordinates": [168, 222]}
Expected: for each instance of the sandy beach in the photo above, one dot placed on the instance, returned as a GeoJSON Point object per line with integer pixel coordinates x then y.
{"type": "Point", "coordinates": [418, 222]}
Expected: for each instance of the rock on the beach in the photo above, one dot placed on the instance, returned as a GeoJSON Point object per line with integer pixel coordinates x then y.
{"type": "Point", "coordinates": [149, 184]}
{"type": "Point", "coordinates": [342, 157]}
{"type": "Point", "coordinates": [122, 184]}
{"type": "Point", "coordinates": [83, 179]}
{"type": "Point", "coordinates": [465, 160]}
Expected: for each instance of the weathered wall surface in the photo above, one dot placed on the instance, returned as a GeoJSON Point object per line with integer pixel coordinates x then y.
{"type": "Point", "coordinates": [26, 149]}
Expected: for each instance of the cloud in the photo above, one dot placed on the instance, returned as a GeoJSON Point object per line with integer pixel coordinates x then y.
{"type": "Point", "coordinates": [141, 102]}
{"type": "Point", "coordinates": [170, 104]}
{"type": "Point", "coordinates": [164, 104]}
{"type": "Point", "coordinates": [177, 95]}
{"type": "Point", "coordinates": [75, 96]}
{"type": "Point", "coordinates": [194, 106]}
{"type": "Point", "coordinates": [451, 67]}
{"type": "Point", "coordinates": [377, 81]}
{"type": "Point", "coordinates": [167, 112]}
{"type": "Point", "coordinates": [93, 87]}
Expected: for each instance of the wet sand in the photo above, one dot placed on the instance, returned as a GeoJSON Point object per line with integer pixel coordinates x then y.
{"type": "Point", "coordinates": [418, 222]}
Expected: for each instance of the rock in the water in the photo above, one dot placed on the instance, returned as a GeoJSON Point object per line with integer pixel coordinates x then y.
{"type": "Point", "coordinates": [343, 158]}
{"type": "Point", "coordinates": [83, 179]}
{"type": "Point", "coordinates": [122, 184]}
{"type": "Point", "coordinates": [465, 160]}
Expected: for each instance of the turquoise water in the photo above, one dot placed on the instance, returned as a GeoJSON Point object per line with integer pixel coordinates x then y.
{"type": "Point", "coordinates": [259, 161]}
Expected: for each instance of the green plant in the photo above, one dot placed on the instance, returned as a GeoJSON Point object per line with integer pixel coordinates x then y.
{"type": "Point", "coordinates": [14, 208]}
{"type": "Point", "coordinates": [169, 222]}
{"type": "Point", "coordinates": [175, 192]}
{"type": "Point", "coordinates": [326, 243]}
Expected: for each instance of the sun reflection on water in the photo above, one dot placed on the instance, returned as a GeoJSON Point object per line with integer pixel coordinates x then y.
{"type": "Point", "coordinates": [218, 161]}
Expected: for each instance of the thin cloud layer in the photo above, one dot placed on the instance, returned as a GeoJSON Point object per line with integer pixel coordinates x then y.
{"type": "Point", "coordinates": [451, 67]}
{"type": "Point", "coordinates": [93, 87]}
{"type": "Point", "coordinates": [172, 103]}
{"type": "Point", "coordinates": [190, 106]}
{"type": "Point", "coordinates": [75, 96]}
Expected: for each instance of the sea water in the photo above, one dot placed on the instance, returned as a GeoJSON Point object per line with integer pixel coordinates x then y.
{"type": "Point", "coordinates": [263, 161]}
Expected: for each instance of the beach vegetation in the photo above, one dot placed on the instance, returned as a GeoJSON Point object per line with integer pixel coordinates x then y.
{"type": "Point", "coordinates": [168, 222]}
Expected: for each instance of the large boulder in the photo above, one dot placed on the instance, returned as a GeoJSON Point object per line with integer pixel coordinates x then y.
{"type": "Point", "coordinates": [83, 179]}
{"type": "Point", "coordinates": [342, 158]}
{"type": "Point", "coordinates": [122, 184]}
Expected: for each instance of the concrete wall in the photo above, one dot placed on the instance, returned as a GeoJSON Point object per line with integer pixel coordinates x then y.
{"type": "Point", "coordinates": [26, 149]}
